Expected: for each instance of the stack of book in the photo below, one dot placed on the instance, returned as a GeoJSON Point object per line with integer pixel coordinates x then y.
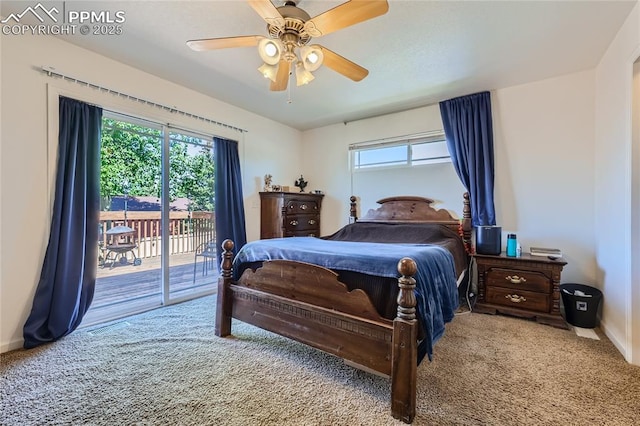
{"type": "Point", "coordinates": [546, 252]}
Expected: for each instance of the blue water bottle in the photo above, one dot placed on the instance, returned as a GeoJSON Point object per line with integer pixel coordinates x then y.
{"type": "Point", "coordinates": [512, 245]}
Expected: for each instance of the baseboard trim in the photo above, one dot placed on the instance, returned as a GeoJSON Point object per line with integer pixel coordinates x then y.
{"type": "Point", "coordinates": [616, 342]}
{"type": "Point", "coordinates": [11, 346]}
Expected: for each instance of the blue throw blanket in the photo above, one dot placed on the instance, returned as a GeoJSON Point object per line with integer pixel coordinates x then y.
{"type": "Point", "coordinates": [436, 288]}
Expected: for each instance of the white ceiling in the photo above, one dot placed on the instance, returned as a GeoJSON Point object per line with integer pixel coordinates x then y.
{"type": "Point", "coordinates": [417, 54]}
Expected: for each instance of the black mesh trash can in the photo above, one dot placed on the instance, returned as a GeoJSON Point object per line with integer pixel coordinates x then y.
{"type": "Point", "coordinates": [579, 310]}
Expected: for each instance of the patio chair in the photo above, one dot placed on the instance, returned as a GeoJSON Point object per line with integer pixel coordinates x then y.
{"type": "Point", "coordinates": [207, 251]}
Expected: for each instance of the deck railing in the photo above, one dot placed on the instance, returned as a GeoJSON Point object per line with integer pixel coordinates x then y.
{"type": "Point", "coordinates": [187, 230]}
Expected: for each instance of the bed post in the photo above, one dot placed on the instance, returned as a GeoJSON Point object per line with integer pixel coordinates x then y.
{"type": "Point", "coordinates": [466, 222]}
{"type": "Point", "coordinates": [404, 357]}
{"type": "Point", "coordinates": [223, 302]}
{"type": "Point", "coordinates": [353, 210]}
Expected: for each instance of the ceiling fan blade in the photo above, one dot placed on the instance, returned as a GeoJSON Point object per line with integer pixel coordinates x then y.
{"type": "Point", "coordinates": [343, 66]}
{"type": "Point", "coordinates": [267, 11]}
{"type": "Point", "coordinates": [224, 42]}
{"type": "Point", "coordinates": [345, 15]}
{"type": "Point", "coordinates": [282, 77]}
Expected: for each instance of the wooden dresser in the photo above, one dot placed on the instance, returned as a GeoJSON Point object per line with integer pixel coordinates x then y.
{"type": "Point", "coordinates": [289, 214]}
{"type": "Point", "coordinates": [526, 286]}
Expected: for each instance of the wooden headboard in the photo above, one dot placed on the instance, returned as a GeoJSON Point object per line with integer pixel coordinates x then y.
{"type": "Point", "coordinates": [411, 209]}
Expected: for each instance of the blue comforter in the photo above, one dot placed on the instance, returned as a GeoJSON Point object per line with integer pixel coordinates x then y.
{"type": "Point", "coordinates": [436, 288]}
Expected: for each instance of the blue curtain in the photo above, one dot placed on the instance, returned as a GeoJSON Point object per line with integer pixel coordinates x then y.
{"type": "Point", "coordinates": [468, 128]}
{"type": "Point", "coordinates": [68, 275]}
{"type": "Point", "coordinates": [229, 208]}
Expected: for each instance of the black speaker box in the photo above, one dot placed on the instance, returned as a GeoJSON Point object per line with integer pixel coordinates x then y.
{"type": "Point", "coordinates": [489, 240]}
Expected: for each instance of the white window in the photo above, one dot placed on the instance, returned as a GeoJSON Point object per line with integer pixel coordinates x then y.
{"type": "Point", "coordinates": [415, 150]}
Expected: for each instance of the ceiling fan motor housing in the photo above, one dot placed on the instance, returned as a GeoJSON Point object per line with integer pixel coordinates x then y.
{"type": "Point", "coordinates": [292, 33]}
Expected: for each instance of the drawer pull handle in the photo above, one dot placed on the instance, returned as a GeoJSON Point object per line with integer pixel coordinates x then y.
{"type": "Point", "coordinates": [294, 223]}
{"type": "Point", "coordinates": [516, 279]}
{"type": "Point", "coordinates": [515, 298]}
{"type": "Point", "coordinates": [312, 222]}
{"type": "Point", "coordinates": [303, 206]}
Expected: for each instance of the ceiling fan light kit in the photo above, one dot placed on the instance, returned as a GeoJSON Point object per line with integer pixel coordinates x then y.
{"type": "Point", "coordinates": [270, 51]}
{"type": "Point", "coordinates": [269, 71]}
{"type": "Point", "coordinates": [312, 57]}
{"type": "Point", "coordinates": [290, 30]}
{"type": "Point", "coordinates": [303, 76]}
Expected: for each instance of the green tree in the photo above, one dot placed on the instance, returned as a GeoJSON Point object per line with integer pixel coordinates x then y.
{"type": "Point", "coordinates": [191, 174]}
{"type": "Point", "coordinates": [131, 161]}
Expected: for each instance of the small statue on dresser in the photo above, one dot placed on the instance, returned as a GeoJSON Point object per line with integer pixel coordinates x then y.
{"type": "Point", "coordinates": [301, 183]}
{"type": "Point", "coordinates": [267, 183]}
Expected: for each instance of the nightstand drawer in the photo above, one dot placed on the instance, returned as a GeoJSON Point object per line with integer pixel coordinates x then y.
{"type": "Point", "coordinates": [520, 299]}
{"type": "Point", "coordinates": [518, 280]}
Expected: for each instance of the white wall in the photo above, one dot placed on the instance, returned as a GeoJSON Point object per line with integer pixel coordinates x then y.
{"type": "Point", "coordinates": [634, 298]}
{"type": "Point", "coordinates": [615, 180]}
{"type": "Point", "coordinates": [441, 180]}
{"type": "Point", "coordinates": [544, 145]}
{"type": "Point", "coordinates": [326, 163]}
{"type": "Point", "coordinates": [28, 115]}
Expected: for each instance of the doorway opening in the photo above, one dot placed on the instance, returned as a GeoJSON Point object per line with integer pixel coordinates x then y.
{"type": "Point", "coordinates": [157, 221]}
{"type": "Point", "coordinates": [634, 315]}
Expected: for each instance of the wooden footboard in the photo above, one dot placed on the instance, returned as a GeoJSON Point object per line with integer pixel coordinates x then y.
{"type": "Point", "coordinates": [307, 303]}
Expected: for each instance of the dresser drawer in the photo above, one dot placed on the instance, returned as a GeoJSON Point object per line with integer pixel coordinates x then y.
{"type": "Point", "coordinates": [518, 280]}
{"type": "Point", "coordinates": [301, 206]}
{"type": "Point", "coordinates": [307, 233]}
{"type": "Point", "coordinates": [520, 299]}
{"type": "Point", "coordinates": [294, 223]}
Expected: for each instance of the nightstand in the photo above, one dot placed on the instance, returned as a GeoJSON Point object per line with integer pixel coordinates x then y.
{"type": "Point", "coordinates": [525, 286]}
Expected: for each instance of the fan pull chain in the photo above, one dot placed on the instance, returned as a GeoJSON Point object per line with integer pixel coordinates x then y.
{"type": "Point", "coordinates": [289, 100]}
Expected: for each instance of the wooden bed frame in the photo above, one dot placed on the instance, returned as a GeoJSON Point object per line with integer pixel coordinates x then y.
{"type": "Point", "coordinates": [307, 303]}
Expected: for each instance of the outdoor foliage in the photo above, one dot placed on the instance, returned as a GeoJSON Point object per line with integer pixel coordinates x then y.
{"type": "Point", "coordinates": [131, 160]}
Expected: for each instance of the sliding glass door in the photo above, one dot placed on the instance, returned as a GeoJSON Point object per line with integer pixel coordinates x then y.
{"type": "Point", "coordinates": [192, 259]}
{"type": "Point", "coordinates": [156, 222]}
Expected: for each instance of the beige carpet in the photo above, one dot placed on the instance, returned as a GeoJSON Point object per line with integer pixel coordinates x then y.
{"type": "Point", "coordinates": [166, 367]}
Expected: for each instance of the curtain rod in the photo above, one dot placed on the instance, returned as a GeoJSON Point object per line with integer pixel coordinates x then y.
{"type": "Point", "coordinates": [389, 113]}
{"type": "Point", "coordinates": [402, 138]}
{"type": "Point", "coordinates": [52, 71]}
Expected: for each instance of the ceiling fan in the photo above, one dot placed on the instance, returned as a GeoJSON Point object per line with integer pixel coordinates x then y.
{"type": "Point", "coordinates": [290, 31]}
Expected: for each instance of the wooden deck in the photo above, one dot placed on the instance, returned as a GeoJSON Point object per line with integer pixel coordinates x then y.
{"type": "Point", "coordinates": [126, 282]}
